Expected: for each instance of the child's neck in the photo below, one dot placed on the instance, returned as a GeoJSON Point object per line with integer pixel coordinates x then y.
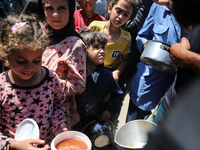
{"type": "Point", "coordinates": [34, 80]}
{"type": "Point", "coordinates": [89, 13]}
{"type": "Point", "coordinates": [111, 32]}
{"type": "Point", "coordinates": [90, 68]}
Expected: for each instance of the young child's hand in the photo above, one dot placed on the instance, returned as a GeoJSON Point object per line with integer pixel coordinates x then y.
{"type": "Point", "coordinates": [62, 128]}
{"type": "Point", "coordinates": [116, 75]}
{"type": "Point", "coordinates": [29, 144]}
{"type": "Point", "coordinates": [105, 116]}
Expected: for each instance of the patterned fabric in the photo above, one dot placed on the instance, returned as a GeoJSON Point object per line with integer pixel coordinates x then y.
{"type": "Point", "coordinates": [113, 50]}
{"type": "Point", "coordinates": [68, 60]}
{"type": "Point", "coordinates": [81, 20]}
{"type": "Point", "coordinates": [42, 102]}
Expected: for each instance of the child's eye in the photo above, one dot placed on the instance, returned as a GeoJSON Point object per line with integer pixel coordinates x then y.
{"type": "Point", "coordinates": [95, 46]}
{"type": "Point", "coordinates": [62, 8]}
{"type": "Point", "coordinates": [126, 15]}
{"type": "Point", "coordinates": [103, 48]}
{"type": "Point", "coordinates": [118, 10]}
{"type": "Point", "coordinates": [37, 61]}
{"type": "Point", "coordinates": [20, 62]}
{"type": "Point", "coordinates": [48, 8]}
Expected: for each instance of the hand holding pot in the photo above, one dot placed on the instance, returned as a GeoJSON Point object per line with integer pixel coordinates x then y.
{"type": "Point", "coordinates": [182, 56]}
{"type": "Point", "coordinates": [178, 52]}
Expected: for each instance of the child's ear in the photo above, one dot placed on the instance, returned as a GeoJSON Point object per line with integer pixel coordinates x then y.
{"type": "Point", "coordinates": [109, 8]}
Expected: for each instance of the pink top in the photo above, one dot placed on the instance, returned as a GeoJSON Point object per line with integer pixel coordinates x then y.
{"type": "Point", "coordinates": [68, 60]}
{"type": "Point", "coordinates": [42, 102]}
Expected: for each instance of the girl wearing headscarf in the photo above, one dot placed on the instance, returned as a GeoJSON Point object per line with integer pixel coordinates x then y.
{"type": "Point", "coordinates": [67, 53]}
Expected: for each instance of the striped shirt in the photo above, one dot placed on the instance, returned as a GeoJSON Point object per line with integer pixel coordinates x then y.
{"type": "Point", "coordinates": [80, 19]}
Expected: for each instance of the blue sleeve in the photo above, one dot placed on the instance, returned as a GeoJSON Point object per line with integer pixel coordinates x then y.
{"type": "Point", "coordinates": [146, 32]}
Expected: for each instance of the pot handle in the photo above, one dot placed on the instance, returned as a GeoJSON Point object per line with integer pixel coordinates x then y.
{"type": "Point", "coordinates": [165, 47]}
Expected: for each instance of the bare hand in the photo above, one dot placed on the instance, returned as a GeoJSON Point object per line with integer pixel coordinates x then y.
{"type": "Point", "coordinates": [62, 128]}
{"type": "Point", "coordinates": [179, 52]}
{"type": "Point", "coordinates": [116, 75]}
{"type": "Point", "coordinates": [105, 116]}
{"type": "Point", "coordinates": [167, 3]}
{"type": "Point", "coordinates": [30, 144]}
{"type": "Point", "coordinates": [161, 2]}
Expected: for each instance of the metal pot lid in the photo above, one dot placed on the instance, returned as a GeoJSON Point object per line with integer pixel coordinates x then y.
{"type": "Point", "coordinates": [27, 129]}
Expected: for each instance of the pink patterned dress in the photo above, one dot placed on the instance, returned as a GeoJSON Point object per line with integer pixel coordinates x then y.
{"type": "Point", "coordinates": [43, 102]}
{"type": "Point", "coordinates": [68, 60]}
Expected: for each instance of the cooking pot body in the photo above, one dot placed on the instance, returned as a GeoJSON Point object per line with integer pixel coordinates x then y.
{"type": "Point", "coordinates": [133, 133]}
{"type": "Point", "coordinates": [157, 55]}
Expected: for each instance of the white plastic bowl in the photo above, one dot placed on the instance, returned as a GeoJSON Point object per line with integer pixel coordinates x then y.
{"type": "Point", "coordinates": [71, 134]}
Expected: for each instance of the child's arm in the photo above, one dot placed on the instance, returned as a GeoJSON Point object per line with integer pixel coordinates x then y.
{"type": "Point", "coordinates": [114, 102]}
{"type": "Point", "coordinates": [59, 116]}
{"type": "Point", "coordinates": [146, 33]}
{"type": "Point", "coordinates": [73, 81]}
{"type": "Point", "coordinates": [121, 67]}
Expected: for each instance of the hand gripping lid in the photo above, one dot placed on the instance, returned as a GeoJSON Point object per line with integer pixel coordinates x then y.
{"type": "Point", "coordinates": [27, 129]}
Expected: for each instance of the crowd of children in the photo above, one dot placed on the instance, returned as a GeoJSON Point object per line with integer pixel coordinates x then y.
{"type": "Point", "coordinates": [63, 66]}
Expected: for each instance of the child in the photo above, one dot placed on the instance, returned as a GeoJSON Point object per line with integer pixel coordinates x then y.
{"type": "Point", "coordinates": [102, 96]}
{"type": "Point", "coordinates": [67, 55]}
{"type": "Point", "coordinates": [83, 17]}
{"type": "Point", "coordinates": [119, 40]}
{"type": "Point", "coordinates": [27, 89]}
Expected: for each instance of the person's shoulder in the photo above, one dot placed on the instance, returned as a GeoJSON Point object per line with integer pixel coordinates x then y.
{"type": "Point", "coordinates": [125, 34]}
{"type": "Point", "coordinates": [107, 72]}
{"type": "Point", "coordinates": [50, 74]}
{"type": "Point", "coordinates": [72, 39]}
{"type": "Point", "coordinates": [97, 25]}
{"type": "Point", "coordinates": [3, 75]}
{"type": "Point", "coordinates": [99, 17]}
{"type": "Point", "coordinates": [77, 11]}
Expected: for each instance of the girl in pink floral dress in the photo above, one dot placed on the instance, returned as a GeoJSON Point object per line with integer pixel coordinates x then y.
{"type": "Point", "coordinates": [67, 55]}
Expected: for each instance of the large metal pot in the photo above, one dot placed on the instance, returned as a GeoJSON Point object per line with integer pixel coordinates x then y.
{"type": "Point", "coordinates": [157, 55]}
{"type": "Point", "coordinates": [133, 133]}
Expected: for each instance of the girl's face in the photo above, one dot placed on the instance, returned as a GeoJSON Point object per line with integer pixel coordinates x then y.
{"type": "Point", "coordinates": [120, 13]}
{"type": "Point", "coordinates": [25, 63]}
{"type": "Point", "coordinates": [57, 13]}
{"type": "Point", "coordinates": [96, 53]}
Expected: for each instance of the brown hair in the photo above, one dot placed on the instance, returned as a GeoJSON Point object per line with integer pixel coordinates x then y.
{"type": "Point", "coordinates": [90, 36]}
{"type": "Point", "coordinates": [32, 35]}
{"type": "Point", "coordinates": [134, 3]}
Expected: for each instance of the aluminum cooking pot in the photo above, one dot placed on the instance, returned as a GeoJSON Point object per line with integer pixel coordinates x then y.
{"type": "Point", "coordinates": [134, 134]}
{"type": "Point", "coordinates": [157, 55]}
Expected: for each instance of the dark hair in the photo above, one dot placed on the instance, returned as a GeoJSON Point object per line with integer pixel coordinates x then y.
{"type": "Point", "coordinates": [134, 3]}
{"type": "Point", "coordinates": [90, 36]}
{"type": "Point", "coordinates": [31, 35]}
